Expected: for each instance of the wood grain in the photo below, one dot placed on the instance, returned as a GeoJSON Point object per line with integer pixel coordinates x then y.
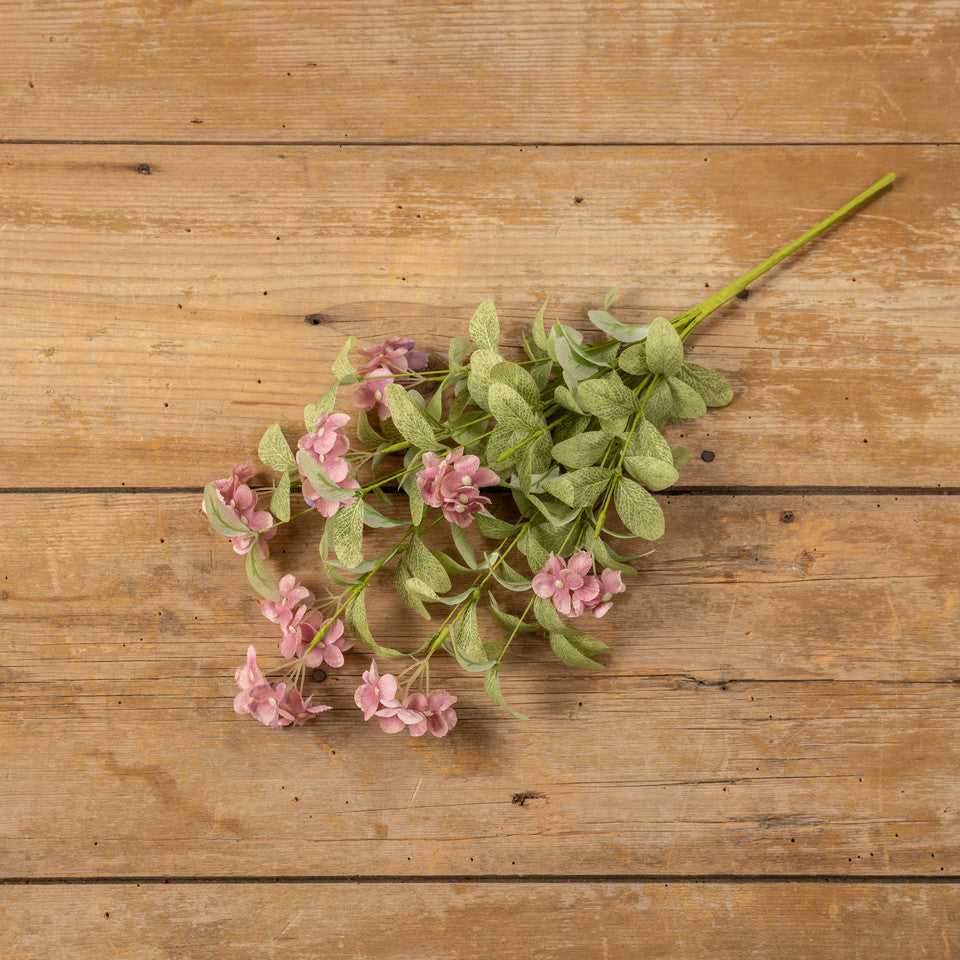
{"type": "Point", "coordinates": [459, 921]}
{"type": "Point", "coordinates": [804, 735]}
{"type": "Point", "coordinates": [851, 588]}
{"type": "Point", "coordinates": [154, 324]}
{"type": "Point", "coordinates": [546, 71]}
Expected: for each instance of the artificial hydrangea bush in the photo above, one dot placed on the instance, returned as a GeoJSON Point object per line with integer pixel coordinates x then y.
{"type": "Point", "coordinates": [570, 435]}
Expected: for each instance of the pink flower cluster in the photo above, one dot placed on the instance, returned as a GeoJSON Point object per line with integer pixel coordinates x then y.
{"type": "Point", "coordinates": [241, 501]}
{"type": "Point", "coordinates": [377, 697]}
{"type": "Point", "coordinates": [385, 362]}
{"type": "Point", "coordinates": [276, 706]}
{"type": "Point", "coordinates": [327, 446]}
{"type": "Point", "coordinates": [572, 590]}
{"type": "Point", "coordinates": [280, 705]}
{"type": "Point", "coordinates": [452, 484]}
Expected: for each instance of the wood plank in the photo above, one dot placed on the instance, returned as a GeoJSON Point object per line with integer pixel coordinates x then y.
{"type": "Point", "coordinates": [545, 71]}
{"type": "Point", "coordinates": [473, 922]}
{"type": "Point", "coordinates": [154, 324]}
{"type": "Point", "coordinates": [852, 588]}
{"type": "Point", "coordinates": [127, 759]}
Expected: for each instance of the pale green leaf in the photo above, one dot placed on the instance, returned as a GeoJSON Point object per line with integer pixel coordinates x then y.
{"type": "Point", "coordinates": [664, 348]}
{"type": "Point", "coordinates": [623, 332]}
{"type": "Point", "coordinates": [538, 332]}
{"type": "Point", "coordinates": [581, 488]}
{"type": "Point", "coordinates": [710, 384]}
{"type": "Point", "coordinates": [640, 513]}
{"type": "Point", "coordinates": [424, 565]}
{"type": "Point", "coordinates": [346, 534]}
{"type": "Point", "coordinates": [219, 517]}
{"type": "Point", "coordinates": [652, 472]}
{"type": "Point", "coordinates": [634, 360]}
{"type": "Point", "coordinates": [687, 403]}
{"type": "Point", "coordinates": [608, 398]}
{"type": "Point", "coordinates": [507, 621]}
{"type": "Point", "coordinates": [485, 327]}
{"type": "Point", "coordinates": [342, 368]}
{"type": "Point", "coordinates": [257, 573]}
{"type": "Point", "coordinates": [515, 376]}
{"type": "Point", "coordinates": [280, 500]}
{"type": "Point", "coordinates": [320, 481]}
{"type": "Point", "coordinates": [491, 687]}
{"type": "Point", "coordinates": [409, 418]}
{"type": "Point", "coordinates": [478, 379]}
{"type": "Point", "coordinates": [511, 409]}
{"type": "Point", "coordinates": [565, 650]}
{"type": "Point", "coordinates": [584, 450]}
{"type": "Point", "coordinates": [274, 450]}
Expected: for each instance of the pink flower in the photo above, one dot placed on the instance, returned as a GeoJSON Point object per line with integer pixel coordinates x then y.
{"type": "Point", "coordinates": [327, 444]}
{"type": "Point", "coordinates": [281, 611]}
{"type": "Point", "coordinates": [372, 393]}
{"type": "Point", "coordinates": [396, 354]}
{"type": "Point", "coordinates": [452, 484]}
{"type": "Point", "coordinates": [376, 692]}
{"type": "Point", "coordinates": [298, 710]}
{"type": "Point", "coordinates": [567, 583]}
{"type": "Point", "coordinates": [241, 501]}
{"type": "Point", "coordinates": [248, 677]}
{"type": "Point", "coordinates": [611, 583]}
{"type": "Point", "coordinates": [396, 718]}
{"type": "Point", "coordinates": [302, 627]}
{"type": "Point", "coordinates": [437, 712]}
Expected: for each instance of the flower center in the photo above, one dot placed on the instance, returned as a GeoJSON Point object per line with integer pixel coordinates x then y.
{"type": "Point", "coordinates": [558, 584]}
{"type": "Point", "coordinates": [272, 702]}
{"type": "Point", "coordinates": [464, 498]}
{"type": "Point", "coordinates": [607, 597]}
{"type": "Point", "coordinates": [459, 508]}
{"type": "Point", "coordinates": [379, 395]}
{"type": "Point", "coordinates": [467, 480]}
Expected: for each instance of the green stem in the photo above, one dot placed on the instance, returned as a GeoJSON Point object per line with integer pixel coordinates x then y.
{"type": "Point", "coordinates": [717, 300]}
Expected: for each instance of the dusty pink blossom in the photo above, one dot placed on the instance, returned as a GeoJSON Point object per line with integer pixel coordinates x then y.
{"type": "Point", "coordinates": [241, 501]}
{"type": "Point", "coordinates": [298, 710]}
{"type": "Point", "coordinates": [396, 354]}
{"type": "Point", "coordinates": [437, 712]}
{"type": "Point", "coordinates": [567, 583]}
{"type": "Point", "coordinates": [611, 583]}
{"type": "Point", "coordinates": [373, 393]}
{"type": "Point", "coordinates": [248, 677]}
{"type": "Point", "coordinates": [396, 718]}
{"type": "Point", "coordinates": [328, 443]}
{"type": "Point", "coordinates": [376, 692]}
{"type": "Point", "coordinates": [326, 508]}
{"type": "Point", "coordinates": [291, 594]}
{"type": "Point", "coordinates": [302, 627]}
{"type": "Point", "coordinates": [452, 485]}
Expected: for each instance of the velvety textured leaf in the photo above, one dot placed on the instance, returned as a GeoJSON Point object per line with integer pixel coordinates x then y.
{"type": "Point", "coordinates": [458, 351]}
{"type": "Point", "coordinates": [608, 398]}
{"type": "Point", "coordinates": [346, 533]}
{"type": "Point", "coordinates": [507, 621]}
{"type": "Point", "coordinates": [681, 456]}
{"type": "Point", "coordinates": [515, 376]}
{"type": "Point", "coordinates": [664, 348]}
{"type": "Point", "coordinates": [565, 398]}
{"type": "Point", "coordinates": [320, 481]}
{"type": "Point", "coordinates": [634, 360]}
{"type": "Point", "coordinates": [274, 450]}
{"type": "Point", "coordinates": [424, 564]}
{"type": "Point", "coordinates": [581, 488]}
{"type": "Point", "coordinates": [258, 575]}
{"type": "Point", "coordinates": [539, 333]}
{"type": "Point", "coordinates": [648, 441]}
{"type": "Point", "coordinates": [687, 403]}
{"type": "Point", "coordinates": [485, 327]}
{"type": "Point", "coordinates": [324, 405]}
{"type": "Point", "coordinates": [280, 500]}
{"type": "Point", "coordinates": [478, 380]}
{"type": "Point", "coordinates": [623, 332]}
{"type": "Point", "coordinates": [491, 687]}
{"type": "Point", "coordinates": [566, 652]}
{"type": "Point", "coordinates": [493, 528]}
{"type": "Point", "coordinates": [355, 618]}
{"type": "Point", "coordinates": [652, 472]}
{"type": "Point", "coordinates": [219, 517]}
{"type": "Point", "coordinates": [658, 407]}
{"type": "Point", "coordinates": [511, 409]}
{"type": "Point", "coordinates": [410, 419]}
{"type": "Point", "coordinates": [710, 384]}
{"type": "Point", "coordinates": [640, 513]}
{"type": "Point", "coordinates": [466, 641]}
{"type": "Point", "coordinates": [412, 600]}
{"type": "Point", "coordinates": [342, 368]}
{"type": "Point", "coordinates": [584, 450]}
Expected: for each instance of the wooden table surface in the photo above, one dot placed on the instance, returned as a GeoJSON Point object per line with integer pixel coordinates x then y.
{"type": "Point", "coordinates": [770, 764]}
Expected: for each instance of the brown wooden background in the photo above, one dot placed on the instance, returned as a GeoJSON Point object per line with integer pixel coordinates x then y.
{"type": "Point", "coordinates": [769, 766]}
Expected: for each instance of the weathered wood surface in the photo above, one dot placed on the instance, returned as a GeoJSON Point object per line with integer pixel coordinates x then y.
{"type": "Point", "coordinates": [790, 706]}
{"type": "Point", "coordinates": [460, 921]}
{"type": "Point", "coordinates": [154, 324]}
{"type": "Point", "coordinates": [546, 71]}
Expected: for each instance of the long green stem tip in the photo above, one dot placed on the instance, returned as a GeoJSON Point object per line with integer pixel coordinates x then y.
{"type": "Point", "coordinates": [741, 283]}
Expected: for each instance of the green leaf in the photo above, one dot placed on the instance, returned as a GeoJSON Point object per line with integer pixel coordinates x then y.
{"type": "Point", "coordinates": [507, 621]}
{"type": "Point", "coordinates": [680, 455]}
{"type": "Point", "coordinates": [280, 501]}
{"type": "Point", "coordinates": [485, 327]}
{"type": "Point", "coordinates": [493, 528]}
{"type": "Point", "coordinates": [565, 650]}
{"type": "Point", "coordinates": [574, 369]}
{"type": "Point", "coordinates": [658, 406]}
{"type": "Point", "coordinates": [538, 332]}
{"type": "Point", "coordinates": [219, 517]}
{"type": "Point", "coordinates": [346, 533]}
{"type": "Point", "coordinates": [506, 576]}
{"type": "Point", "coordinates": [652, 472]}
{"type": "Point", "coordinates": [412, 600]}
{"type": "Point", "coordinates": [581, 488]}
{"type": "Point", "coordinates": [664, 351]}
{"type": "Point", "coordinates": [274, 450]}
{"type": "Point", "coordinates": [607, 558]}
{"type": "Point", "coordinates": [257, 573]}
{"type": "Point", "coordinates": [342, 368]}
{"type": "Point", "coordinates": [491, 687]}
{"type": "Point", "coordinates": [459, 350]}
{"type": "Point", "coordinates": [531, 548]}
{"type": "Point", "coordinates": [478, 379]}
{"type": "Point", "coordinates": [608, 398]}
{"type": "Point", "coordinates": [467, 645]}
{"type": "Point", "coordinates": [623, 332]}
{"type": "Point", "coordinates": [500, 443]}
{"type": "Point", "coordinates": [417, 506]}
{"type": "Point", "coordinates": [511, 409]}
{"type": "Point", "coordinates": [355, 617]}
{"type": "Point", "coordinates": [366, 433]}
{"type": "Point", "coordinates": [513, 375]}
{"type": "Point", "coordinates": [375, 519]}
{"type": "Point", "coordinates": [547, 615]}
{"type": "Point", "coordinates": [324, 405]}
{"type": "Point", "coordinates": [647, 441]}
{"type": "Point", "coordinates": [640, 513]}
{"type": "Point", "coordinates": [424, 565]}
{"type": "Point", "coordinates": [710, 384]}
{"type": "Point", "coordinates": [463, 546]}
{"type": "Point", "coordinates": [687, 403]}
{"type": "Point", "coordinates": [634, 360]}
{"type": "Point", "coordinates": [584, 450]}
{"type": "Point", "coordinates": [566, 399]}
{"type": "Point", "coordinates": [320, 481]}
{"type": "Point", "coordinates": [422, 590]}
{"type": "Point", "coordinates": [556, 513]}
{"type": "Point", "coordinates": [410, 419]}
{"type": "Point", "coordinates": [610, 297]}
